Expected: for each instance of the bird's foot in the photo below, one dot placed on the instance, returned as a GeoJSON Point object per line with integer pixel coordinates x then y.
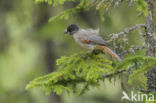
{"type": "Point", "coordinates": [97, 51]}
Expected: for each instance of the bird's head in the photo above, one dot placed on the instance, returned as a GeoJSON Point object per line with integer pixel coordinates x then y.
{"type": "Point", "coordinates": [71, 29]}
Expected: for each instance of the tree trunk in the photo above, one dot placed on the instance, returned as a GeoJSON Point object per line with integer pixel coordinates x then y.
{"type": "Point", "coordinates": [50, 62]}
{"type": "Point", "coordinates": [149, 29]}
{"type": "Point", "coordinates": [43, 12]}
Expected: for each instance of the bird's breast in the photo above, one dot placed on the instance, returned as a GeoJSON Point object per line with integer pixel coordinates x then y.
{"type": "Point", "coordinates": [78, 38]}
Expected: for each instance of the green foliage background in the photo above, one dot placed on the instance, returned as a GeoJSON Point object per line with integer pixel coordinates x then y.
{"type": "Point", "coordinates": [24, 32]}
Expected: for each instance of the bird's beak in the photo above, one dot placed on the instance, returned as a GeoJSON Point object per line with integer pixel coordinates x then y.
{"type": "Point", "coordinates": [65, 32]}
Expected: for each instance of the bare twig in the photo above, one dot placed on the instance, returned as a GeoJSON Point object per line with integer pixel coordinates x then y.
{"type": "Point", "coordinates": [138, 48]}
{"type": "Point", "coordinates": [117, 3]}
{"type": "Point", "coordinates": [92, 2]}
{"type": "Point", "coordinates": [130, 2]}
{"type": "Point", "coordinates": [126, 31]}
{"type": "Point", "coordinates": [141, 13]}
{"type": "Point", "coordinates": [98, 6]}
{"type": "Point", "coordinates": [132, 49]}
{"type": "Point", "coordinates": [109, 5]}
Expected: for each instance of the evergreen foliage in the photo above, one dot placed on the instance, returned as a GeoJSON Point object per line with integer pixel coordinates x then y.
{"type": "Point", "coordinates": [100, 5]}
{"type": "Point", "coordinates": [80, 71]}
{"type": "Point", "coordinates": [85, 70]}
{"type": "Point", "coordinates": [140, 64]}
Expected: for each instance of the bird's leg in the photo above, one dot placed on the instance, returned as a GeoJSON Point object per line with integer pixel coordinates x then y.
{"type": "Point", "coordinates": [97, 51]}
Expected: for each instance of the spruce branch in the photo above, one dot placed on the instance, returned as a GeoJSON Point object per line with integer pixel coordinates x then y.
{"type": "Point", "coordinates": [130, 70]}
{"type": "Point", "coordinates": [113, 74]}
{"type": "Point", "coordinates": [89, 69]}
{"type": "Point", "coordinates": [144, 91]}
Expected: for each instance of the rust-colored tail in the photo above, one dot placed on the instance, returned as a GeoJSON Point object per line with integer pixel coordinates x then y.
{"type": "Point", "coordinates": [111, 53]}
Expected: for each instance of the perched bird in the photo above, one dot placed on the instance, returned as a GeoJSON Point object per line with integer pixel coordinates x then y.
{"type": "Point", "coordinates": [89, 39]}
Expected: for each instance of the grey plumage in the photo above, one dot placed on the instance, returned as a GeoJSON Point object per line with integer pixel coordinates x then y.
{"type": "Point", "coordinates": [90, 35]}
{"type": "Point", "coordinates": [89, 39]}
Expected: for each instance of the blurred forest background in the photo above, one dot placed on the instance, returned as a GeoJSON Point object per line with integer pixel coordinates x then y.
{"type": "Point", "coordinates": [29, 47]}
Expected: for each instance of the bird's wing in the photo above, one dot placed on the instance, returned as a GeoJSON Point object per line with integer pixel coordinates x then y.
{"type": "Point", "coordinates": [93, 31]}
{"type": "Point", "coordinates": [93, 39]}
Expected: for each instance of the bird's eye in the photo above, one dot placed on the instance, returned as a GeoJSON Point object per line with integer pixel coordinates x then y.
{"type": "Point", "coordinates": [69, 30]}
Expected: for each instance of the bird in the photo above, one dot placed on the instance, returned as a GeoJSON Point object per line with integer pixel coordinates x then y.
{"type": "Point", "coordinates": [89, 39]}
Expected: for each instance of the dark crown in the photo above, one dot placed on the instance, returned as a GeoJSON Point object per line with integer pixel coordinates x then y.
{"type": "Point", "coordinates": [72, 28]}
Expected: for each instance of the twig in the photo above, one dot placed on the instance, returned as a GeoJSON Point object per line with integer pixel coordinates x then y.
{"type": "Point", "coordinates": [92, 2]}
{"type": "Point", "coordinates": [132, 50]}
{"type": "Point", "coordinates": [109, 5]}
{"type": "Point", "coordinates": [119, 72]}
{"type": "Point", "coordinates": [112, 74]}
{"type": "Point", "coordinates": [141, 13]}
{"type": "Point", "coordinates": [145, 91]}
{"type": "Point", "coordinates": [126, 31]}
{"type": "Point", "coordinates": [117, 3]}
{"type": "Point", "coordinates": [131, 69]}
{"type": "Point", "coordinates": [138, 48]}
{"type": "Point", "coordinates": [98, 6]}
{"type": "Point", "coordinates": [130, 2]}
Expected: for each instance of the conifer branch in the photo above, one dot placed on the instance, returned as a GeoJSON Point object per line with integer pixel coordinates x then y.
{"type": "Point", "coordinates": [130, 70]}
{"type": "Point", "coordinates": [113, 74]}
{"type": "Point", "coordinates": [88, 69]}
{"type": "Point", "coordinates": [144, 91]}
